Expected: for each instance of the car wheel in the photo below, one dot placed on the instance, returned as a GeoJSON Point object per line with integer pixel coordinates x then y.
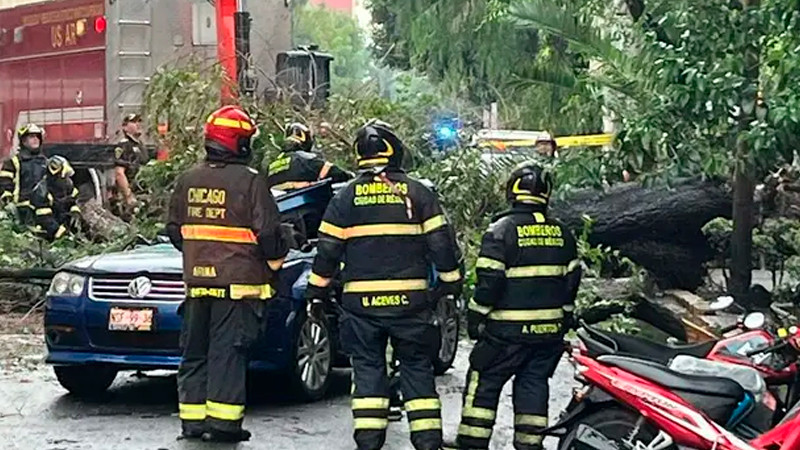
{"type": "Point", "coordinates": [85, 381]}
{"type": "Point", "coordinates": [313, 353]}
{"type": "Point", "coordinates": [449, 326]}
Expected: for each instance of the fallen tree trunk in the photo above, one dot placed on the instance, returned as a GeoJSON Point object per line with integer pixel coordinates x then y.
{"type": "Point", "coordinates": [657, 227]}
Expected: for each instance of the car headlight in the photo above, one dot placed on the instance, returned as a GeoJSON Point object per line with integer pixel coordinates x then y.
{"type": "Point", "coordinates": [67, 284]}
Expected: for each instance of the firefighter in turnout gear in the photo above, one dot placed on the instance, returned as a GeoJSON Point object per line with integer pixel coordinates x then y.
{"type": "Point", "coordinates": [297, 166]}
{"type": "Point", "coordinates": [528, 274]}
{"type": "Point", "coordinates": [223, 218]}
{"type": "Point", "coordinates": [386, 228]}
{"type": "Point", "coordinates": [23, 172]}
{"type": "Point", "coordinates": [55, 200]}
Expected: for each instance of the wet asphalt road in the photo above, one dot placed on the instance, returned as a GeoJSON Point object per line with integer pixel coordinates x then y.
{"type": "Point", "coordinates": [36, 413]}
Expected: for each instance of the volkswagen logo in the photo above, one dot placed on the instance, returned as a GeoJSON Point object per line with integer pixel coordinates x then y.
{"type": "Point", "coordinates": [140, 287]}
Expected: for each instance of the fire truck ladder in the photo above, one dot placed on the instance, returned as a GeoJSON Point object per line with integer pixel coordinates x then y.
{"type": "Point", "coordinates": [133, 35]}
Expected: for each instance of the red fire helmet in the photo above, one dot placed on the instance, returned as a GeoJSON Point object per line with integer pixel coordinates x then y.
{"type": "Point", "coordinates": [231, 128]}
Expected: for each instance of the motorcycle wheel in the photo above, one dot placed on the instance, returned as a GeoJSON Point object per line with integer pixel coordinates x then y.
{"type": "Point", "coordinates": [616, 424]}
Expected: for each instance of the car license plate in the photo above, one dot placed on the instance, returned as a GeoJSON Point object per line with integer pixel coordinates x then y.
{"type": "Point", "coordinates": [131, 319]}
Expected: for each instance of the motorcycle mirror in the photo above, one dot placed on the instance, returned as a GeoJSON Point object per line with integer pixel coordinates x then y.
{"type": "Point", "coordinates": [722, 302]}
{"type": "Point", "coordinates": [755, 321]}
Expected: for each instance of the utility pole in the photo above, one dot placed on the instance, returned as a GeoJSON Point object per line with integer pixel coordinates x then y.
{"type": "Point", "coordinates": [744, 176]}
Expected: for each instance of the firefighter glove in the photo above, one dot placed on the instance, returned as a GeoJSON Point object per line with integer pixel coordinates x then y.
{"type": "Point", "coordinates": [475, 324]}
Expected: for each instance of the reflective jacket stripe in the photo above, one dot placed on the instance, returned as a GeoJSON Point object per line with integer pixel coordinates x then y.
{"type": "Point", "coordinates": [385, 285]}
{"type": "Point", "coordinates": [259, 291]}
{"type": "Point", "coordinates": [44, 211]}
{"type": "Point", "coordinates": [292, 185]}
{"type": "Point", "coordinates": [541, 271]}
{"type": "Point", "coordinates": [218, 233]}
{"type": "Point", "coordinates": [489, 263]}
{"type": "Point", "coordinates": [434, 223]}
{"type": "Point", "coordinates": [450, 277]}
{"type": "Point", "coordinates": [319, 281]}
{"type": "Point", "coordinates": [6, 174]}
{"type": "Point", "coordinates": [478, 308]}
{"type": "Point", "coordinates": [525, 315]}
{"type": "Point", "coordinates": [323, 172]}
{"type": "Point", "coordinates": [382, 229]}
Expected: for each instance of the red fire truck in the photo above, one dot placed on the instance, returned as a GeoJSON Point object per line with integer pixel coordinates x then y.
{"type": "Point", "coordinates": [77, 66]}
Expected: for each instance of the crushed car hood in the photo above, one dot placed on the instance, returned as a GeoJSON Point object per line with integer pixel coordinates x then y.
{"type": "Point", "coordinates": [160, 258]}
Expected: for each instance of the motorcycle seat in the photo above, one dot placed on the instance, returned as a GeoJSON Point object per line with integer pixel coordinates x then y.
{"type": "Point", "coordinates": [608, 343]}
{"type": "Point", "coordinates": [693, 384]}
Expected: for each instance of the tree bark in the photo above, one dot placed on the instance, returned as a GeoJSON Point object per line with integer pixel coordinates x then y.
{"type": "Point", "coordinates": [743, 181]}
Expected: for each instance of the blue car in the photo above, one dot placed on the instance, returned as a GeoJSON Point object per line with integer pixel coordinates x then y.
{"type": "Point", "coordinates": [120, 311]}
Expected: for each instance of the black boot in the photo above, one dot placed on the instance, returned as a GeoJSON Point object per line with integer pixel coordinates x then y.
{"type": "Point", "coordinates": [226, 436]}
{"type": "Point", "coordinates": [194, 431]}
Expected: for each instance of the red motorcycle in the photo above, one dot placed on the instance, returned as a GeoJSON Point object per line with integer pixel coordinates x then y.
{"type": "Point", "coordinates": [751, 336]}
{"type": "Point", "coordinates": [635, 404]}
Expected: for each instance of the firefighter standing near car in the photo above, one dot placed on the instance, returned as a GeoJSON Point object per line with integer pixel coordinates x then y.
{"type": "Point", "coordinates": [384, 226]}
{"type": "Point", "coordinates": [54, 200]}
{"type": "Point", "coordinates": [225, 221]}
{"type": "Point", "coordinates": [528, 274]}
{"type": "Point", "coordinates": [297, 166]}
{"type": "Point", "coordinates": [129, 157]}
{"type": "Point", "coordinates": [20, 174]}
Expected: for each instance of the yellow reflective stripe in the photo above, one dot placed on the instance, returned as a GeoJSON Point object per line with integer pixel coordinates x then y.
{"type": "Point", "coordinates": [530, 198]}
{"type": "Point", "coordinates": [574, 264]}
{"type": "Point", "coordinates": [292, 185]}
{"type": "Point", "coordinates": [15, 193]}
{"type": "Point", "coordinates": [587, 140]}
{"type": "Point", "coordinates": [332, 230]}
{"type": "Point", "coordinates": [370, 403]}
{"type": "Point", "coordinates": [424, 425]}
{"type": "Point", "coordinates": [44, 211]}
{"type": "Point", "coordinates": [450, 277]}
{"type": "Point", "coordinates": [75, 192]}
{"type": "Point", "coordinates": [231, 123]}
{"type": "Point", "coordinates": [434, 223]}
{"type": "Point", "coordinates": [6, 194]}
{"type": "Point", "coordinates": [525, 438]}
{"type": "Point", "coordinates": [538, 217]}
{"type": "Point", "coordinates": [373, 161]}
{"type": "Point", "coordinates": [530, 419]}
{"type": "Point", "coordinates": [6, 174]}
{"type": "Point", "coordinates": [476, 432]}
{"type": "Point", "coordinates": [536, 271]}
{"type": "Point", "coordinates": [421, 404]}
{"type": "Point", "coordinates": [568, 308]}
{"type": "Point", "coordinates": [224, 411]}
{"type": "Point", "coordinates": [382, 229]}
{"type": "Point", "coordinates": [526, 315]}
{"type": "Point", "coordinates": [319, 281]}
{"type": "Point", "coordinates": [368, 423]}
{"type": "Point", "coordinates": [75, 209]}
{"type": "Point", "coordinates": [323, 172]}
{"type": "Point", "coordinates": [385, 285]}
{"type": "Point", "coordinates": [187, 411]}
{"type": "Point", "coordinates": [489, 263]}
{"type": "Point", "coordinates": [60, 232]}
{"type": "Point", "coordinates": [242, 291]}
{"type": "Point", "coordinates": [275, 264]}
{"type": "Point", "coordinates": [478, 308]}
{"type": "Point", "coordinates": [479, 413]}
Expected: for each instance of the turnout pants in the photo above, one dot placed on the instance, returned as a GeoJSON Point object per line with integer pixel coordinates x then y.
{"type": "Point", "coordinates": [492, 364]}
{"type": "Point", "coordinates": [215, 339]}
{"type": "Point", "coordinates": [412, 338]}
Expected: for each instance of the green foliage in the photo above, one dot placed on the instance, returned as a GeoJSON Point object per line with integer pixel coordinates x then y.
{"type": "Point", "coordinates": [468, 48]}
{"type": "Point", "coordinates": [338, 34]}
{"type": "Point", "coordinates": [680, 85]}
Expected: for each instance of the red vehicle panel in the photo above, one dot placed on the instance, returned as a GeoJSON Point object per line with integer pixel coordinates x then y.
{"type": "Point", "coordinates": [53, 70]}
